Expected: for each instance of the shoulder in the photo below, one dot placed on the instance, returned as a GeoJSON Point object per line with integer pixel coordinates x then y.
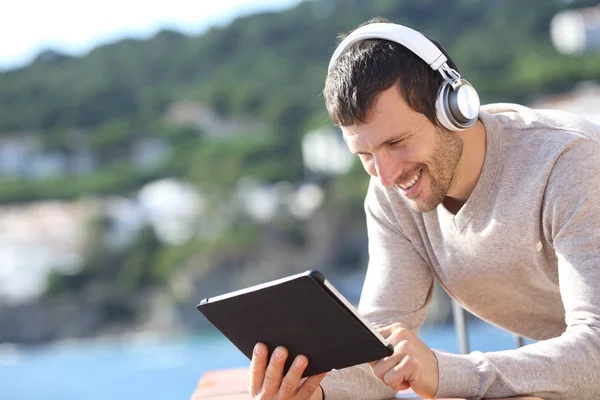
{"type": "Point", "coordinates": [553, 124]}
{"type": "Point", "coordinates": [570, 210]}
{"type": "Point", "coordinates": [536, 137]}
{"type": "Point", "coordinates": [516, 116]}
{"type": "Point", "coordinates": [572, 188]}
{"type": "Point", "coordinates": [578, 164]}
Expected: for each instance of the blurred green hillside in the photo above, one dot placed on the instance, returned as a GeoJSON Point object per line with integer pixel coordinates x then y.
{"type": "Point", "coordinates": [269, 66]}
{"type": "Point", "coordinates": [268, 70]}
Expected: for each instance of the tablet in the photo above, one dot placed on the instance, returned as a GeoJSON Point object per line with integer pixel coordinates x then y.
{"type": "Point", "coordinates": [303, 313]}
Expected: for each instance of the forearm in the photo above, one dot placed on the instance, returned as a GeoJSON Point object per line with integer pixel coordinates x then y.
{"type": "Point", "coordinates": [560, 368]}
{"type": "Point", "coordinates": [356, 382]}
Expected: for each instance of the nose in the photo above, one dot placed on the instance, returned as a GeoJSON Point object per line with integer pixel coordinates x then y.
{"type": "Point", "coordinates": [388, 169]}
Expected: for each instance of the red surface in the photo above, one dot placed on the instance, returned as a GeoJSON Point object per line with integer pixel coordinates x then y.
{"type": "Point", "coordinates": [232, 384]}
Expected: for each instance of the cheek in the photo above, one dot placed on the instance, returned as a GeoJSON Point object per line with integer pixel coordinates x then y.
{"type": "Point", "coordinates": [411, 153]}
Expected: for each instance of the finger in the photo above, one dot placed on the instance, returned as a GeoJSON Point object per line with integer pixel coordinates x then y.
{"type": "Point", "coordinates": [389, 331]}
{"type": "Point", "coordinates": [258, 366]}
{"type": "Point", "coordinates": [291, 380]}
{"type": "Point", "coordinates": [401, 386]}
{"type": "Point", "coordinates": [381, 368]}
{"type": "Point", "coordinates": [375, 362]}
{"type": "Point", "coordinates": [386, 331]}
{"type": "Point", "coordinates": [399, 334]}
{"type": "Point", "coordinates": [309, 386]}
{"type": "Point", "coordinates": [274, 372]}
{"type": "Point", "coordinates": [399, 376]}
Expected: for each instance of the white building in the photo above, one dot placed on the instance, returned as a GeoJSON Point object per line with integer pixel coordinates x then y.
{"type": "Point", "coordinates": [325, 153]}
{"type": "Point", "coordinates": [34, 239]}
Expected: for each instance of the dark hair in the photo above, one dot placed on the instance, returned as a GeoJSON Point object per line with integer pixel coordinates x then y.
{"type": "Point", "coordinates": [372, 66]}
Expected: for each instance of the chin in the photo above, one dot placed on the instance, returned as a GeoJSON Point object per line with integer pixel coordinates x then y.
{"type": "Point", "coordinates": [424, 205]}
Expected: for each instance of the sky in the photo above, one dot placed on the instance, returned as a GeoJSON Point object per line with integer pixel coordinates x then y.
{"type": "Point", "coordinates": [75, 27]}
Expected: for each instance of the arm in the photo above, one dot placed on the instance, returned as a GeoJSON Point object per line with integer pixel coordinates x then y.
{"type": "Point", "coordinates": [397, 288]}
{"type": "Point", "coordinates": [565, 366]}
{"type": "Point", "coordinates": [398, 284]}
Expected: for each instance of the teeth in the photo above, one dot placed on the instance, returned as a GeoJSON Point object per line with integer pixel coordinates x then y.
{"type": "Point", "coordinates": [410, 183]}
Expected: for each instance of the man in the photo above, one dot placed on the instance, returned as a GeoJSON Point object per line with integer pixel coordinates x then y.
{"type": "Point", "coordinates": [502, 209]}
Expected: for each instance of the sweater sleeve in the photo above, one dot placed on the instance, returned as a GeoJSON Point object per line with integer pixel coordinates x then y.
{"type": "Point", "coordinates": [397, 288]}
{"type": "Point", "coordinates": [565, 367]}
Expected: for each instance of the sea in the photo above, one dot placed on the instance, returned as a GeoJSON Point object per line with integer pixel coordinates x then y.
{"type": "Point", "coordinates": [156, 368]}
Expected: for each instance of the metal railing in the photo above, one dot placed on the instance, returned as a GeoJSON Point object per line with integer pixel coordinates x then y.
{"type": "Point", "coordinates": [462, 334]}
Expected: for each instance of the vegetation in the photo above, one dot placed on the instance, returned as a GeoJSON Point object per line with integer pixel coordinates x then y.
{"type": "Point", "coordinates": [269, 67]}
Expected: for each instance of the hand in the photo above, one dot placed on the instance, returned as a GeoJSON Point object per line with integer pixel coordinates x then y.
{"type": "Point", "coordinates": [413, 364]}
{"type": "Point", "coordinates": [267, 381]}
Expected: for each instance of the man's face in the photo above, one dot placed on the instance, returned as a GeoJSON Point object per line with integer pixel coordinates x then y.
{"type": "Point", "coordinates": [406, 151]}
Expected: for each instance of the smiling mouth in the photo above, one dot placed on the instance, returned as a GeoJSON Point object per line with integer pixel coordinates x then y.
{"type": "Point", "coordinates": [411, 182]}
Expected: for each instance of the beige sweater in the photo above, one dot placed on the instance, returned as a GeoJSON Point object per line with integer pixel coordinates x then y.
{"type": "Point", "coordinates": [523, 253]}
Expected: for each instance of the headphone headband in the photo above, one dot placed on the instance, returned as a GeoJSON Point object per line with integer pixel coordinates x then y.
{"type": "Point", "coordinates": [411, 39]}
{"type": "Point", "coordinates": [457, 103]}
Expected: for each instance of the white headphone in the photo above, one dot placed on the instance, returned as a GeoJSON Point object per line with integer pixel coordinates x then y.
{"type": "Point", "coordinates": [457, 104]}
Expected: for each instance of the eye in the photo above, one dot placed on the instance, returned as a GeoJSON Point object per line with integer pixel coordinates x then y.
{"type": "Point", "coordinates": [397, 142]}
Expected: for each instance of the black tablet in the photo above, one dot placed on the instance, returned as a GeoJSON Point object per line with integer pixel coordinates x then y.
{"type": "Point", "coordinates": [304, 313]}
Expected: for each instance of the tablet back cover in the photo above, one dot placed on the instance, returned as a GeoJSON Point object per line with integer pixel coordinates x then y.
{"type": "Point", "coordinates": [301, 315]}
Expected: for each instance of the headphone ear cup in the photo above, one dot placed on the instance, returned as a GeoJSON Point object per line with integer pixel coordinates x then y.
{"type": "Point", "coordinates": [457, 109]}
{"type": "Point", "coordinates": [442, 110]}
{"type": "Point", "coordinates": [463, 103]}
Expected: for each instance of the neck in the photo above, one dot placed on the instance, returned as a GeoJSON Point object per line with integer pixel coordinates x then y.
{"type": "Point", "coordinates": [470, 164]}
